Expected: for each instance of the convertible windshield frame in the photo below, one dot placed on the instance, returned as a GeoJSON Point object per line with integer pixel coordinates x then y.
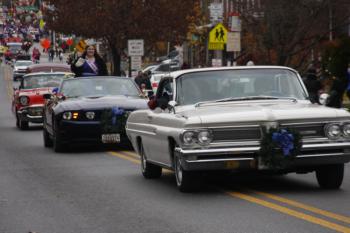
{"type": "Point", "coordinates": [99, 87]}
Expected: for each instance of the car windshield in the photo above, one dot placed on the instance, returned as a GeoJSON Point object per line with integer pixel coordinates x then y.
{"type": "Point", "coordinates": [23, 63]}
{"type": "Point", "coordinates": [15, 48]}
{"type": "Point", "coordinates": [97, 87]}
{"type": "Point", "coordinates": [231, 85]}
{"type": "Point", "coordinates": [43, 80]}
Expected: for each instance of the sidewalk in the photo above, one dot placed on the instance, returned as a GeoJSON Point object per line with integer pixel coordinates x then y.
{"type": "Point", "coordinates": [45, 56]}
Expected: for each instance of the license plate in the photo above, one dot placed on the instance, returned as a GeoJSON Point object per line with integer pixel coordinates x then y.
{"type": "Point", "coordinates": [111, 138]}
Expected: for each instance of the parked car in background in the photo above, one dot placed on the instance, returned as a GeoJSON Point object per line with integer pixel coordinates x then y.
{"type": "Point", "coordinates": [20, 68]}
{"type": "Point", "coordinates": [90, 110]}
{"type": "Point", "coordinates": [160, 71]}
{"type": "Point", "coordinates": [256, 118]}
{"type": "Point", "coordinates": [149, 68]}
{"type": "Point", "coordinates": [172, 55]}
{"type": "Point", "coordinates": [28, 101]}
{"type": "Point", "coordinates": [14, 48]}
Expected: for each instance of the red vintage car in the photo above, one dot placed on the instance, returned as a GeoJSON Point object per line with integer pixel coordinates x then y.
{"type": "Point", "coordinates": [28, 101]}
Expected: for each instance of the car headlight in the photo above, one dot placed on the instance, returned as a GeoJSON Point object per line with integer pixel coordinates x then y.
{"type": "Point", "coordinates": [90, 115]}
{"type": "Point", "coordinates": [188, 137]}
{"type": "Point", "coordinates": [333, 131]}
{"type": "Point", "coordinates": [205, 137]}
{"type": "Point", "coordinates": [24, 100]}
{"type": "Point", "coordinates": [346, 130]}
{"type": "Point", "coordinates": [67, 115]}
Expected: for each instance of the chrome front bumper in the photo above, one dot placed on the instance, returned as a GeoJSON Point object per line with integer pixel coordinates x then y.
{"type": "Point", "coordinates": [33, 114]}
{"type": "Point", "coordinates": [247, 157]}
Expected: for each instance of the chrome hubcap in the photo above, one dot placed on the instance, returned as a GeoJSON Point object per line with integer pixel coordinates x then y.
{"type": "Point", "coordinates": [178, 171]}
{"type": "Point", "coordinates": [143, 160]}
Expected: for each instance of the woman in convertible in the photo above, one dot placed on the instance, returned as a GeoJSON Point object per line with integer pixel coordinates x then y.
{"type": "Point", "coordinates": [89, 64]}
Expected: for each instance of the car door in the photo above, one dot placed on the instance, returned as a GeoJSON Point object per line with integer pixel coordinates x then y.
{"type": "Point", "coordinates": [156, 144]}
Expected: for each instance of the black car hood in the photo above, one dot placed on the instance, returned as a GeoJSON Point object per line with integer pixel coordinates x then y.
{"type": "Point", "coordinates": [96, 103]}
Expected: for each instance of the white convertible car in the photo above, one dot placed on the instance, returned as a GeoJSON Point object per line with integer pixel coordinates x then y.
{"type": "Point", "coordinates": [239, 118]}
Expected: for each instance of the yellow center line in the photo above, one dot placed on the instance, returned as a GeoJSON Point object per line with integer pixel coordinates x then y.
{"type": "Point", "coordinates": [116, 154]}
{"type": "Point", "coordinates": [133, 154]}
{"type": "Point", "coordinates": [305, 207]}
{"type": "Point", "coordinates": [290, 212]}
{"type": "Point", "coordinates": [270, 205]}
{"type": "Point", "coordinates": [127, 154]}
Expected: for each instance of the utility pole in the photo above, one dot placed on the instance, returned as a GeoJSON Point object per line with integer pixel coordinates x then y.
{"type": "Point", "coordinates": [330, 20]}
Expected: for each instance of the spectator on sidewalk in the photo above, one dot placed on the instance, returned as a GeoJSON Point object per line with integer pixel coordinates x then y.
{"type": "Point", "coordinates": [313, 85]}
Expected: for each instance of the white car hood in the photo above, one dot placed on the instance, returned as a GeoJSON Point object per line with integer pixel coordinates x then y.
{"type": "Point", "coordinates": [260, 111]}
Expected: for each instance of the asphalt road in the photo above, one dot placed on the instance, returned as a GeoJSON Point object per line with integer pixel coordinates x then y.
{"type": "Point", "coordinates": [101, 190]}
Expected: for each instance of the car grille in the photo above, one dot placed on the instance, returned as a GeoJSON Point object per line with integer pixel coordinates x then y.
{"type": "Point", "coordinates": [98, 115]}
{"type": "Point", "coordinates": [313, 130]}
{"type": "Point", "coordinates": [234, 134]}
{"type": "Point", "coordinates": [308, 130]}
{"type": "Point", "coordinates": [35, 111]}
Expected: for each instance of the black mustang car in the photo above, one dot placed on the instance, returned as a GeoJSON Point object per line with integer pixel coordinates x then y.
{"type": "Point", "coordinates": [90, 110]}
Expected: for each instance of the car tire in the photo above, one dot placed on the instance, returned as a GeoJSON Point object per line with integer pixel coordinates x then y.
{"type": "Point", "coordinates": [149, 170]}
{"type": "Point", "coordinates": [58, 145]}
{"type": "Point", "coordinates": [17, 121]}
{"type": "Point", "coordinates": [47, 140]}
{"type": "Point", "coordinates": [186, 181]}
{"type": "Point", "coordinates": [330, 176]}
{"type": "Point", "coordinates": [23, 125]}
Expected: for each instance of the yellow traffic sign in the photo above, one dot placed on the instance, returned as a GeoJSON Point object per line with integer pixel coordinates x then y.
{"type": "Point", "coordinates": [218, 34]}
{"type": "Point", "coordinates": [81, 46]}
{"type": "Point", "coordinates": [217, 37]}
{"type": "Point", "coordinates": [41, 24]}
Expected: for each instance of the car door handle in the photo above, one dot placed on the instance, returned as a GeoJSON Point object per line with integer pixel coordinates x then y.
{"type": "Point", "coordinates": [149, 118]}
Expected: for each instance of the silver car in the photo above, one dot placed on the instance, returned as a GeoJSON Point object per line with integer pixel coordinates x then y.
{"type": "Point", "coordinates": [256, 118]}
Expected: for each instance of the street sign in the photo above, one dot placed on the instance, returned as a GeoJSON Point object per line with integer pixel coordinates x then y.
{"type": "Point", "coordinates": [233, 42]}
{"type": "Point", "coordinates": [81, 46]}
{"type": "Point", "coordinates": [216, 12]}
{"type": "Point", "coordinates": [235, 24]}
{"type": "Point", "coordinates": [136, 63]}
{"type": "Point", "coordinates": [217, 37]}
{"type": "Point", "coordinates": [135, 48]}
{"type": "Point", "coordinates": [216, 62]}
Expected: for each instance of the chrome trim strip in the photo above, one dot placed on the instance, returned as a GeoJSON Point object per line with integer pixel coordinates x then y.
{"type": "Point", "coordinates": [235, 127]}
{"type": "Point", "coordinates": [140, 131]}
{"type": "Point", "coordinates": [219, 160]}
{"type": "Point", "coordinates": [327, 145]}
{"type": "Point", "coordinates": [34, 117]}
{"type": "Point", "coordinates": [224, 150]}
{"type": "Point", "coordinates": [235, 143]}
{"type": "Point", "coordinates": [320, 155]}
{"type": "Point", "coordinates": [314, 123]}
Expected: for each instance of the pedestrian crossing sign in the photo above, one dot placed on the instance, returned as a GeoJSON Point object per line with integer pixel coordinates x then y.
{"type": "Point", "coordinates": [81, 46]}
{"type": "Point", "coordinates": [218, 37]}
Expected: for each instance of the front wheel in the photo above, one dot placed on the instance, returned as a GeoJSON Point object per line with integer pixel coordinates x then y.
{"type": "Point", "coordinates": [149, 170]}
{"type": "Point", "coordinates": [47, 140]}
{"type": "Point", "coordinates": [23, 125]}
{"type": "Point", "coordinates": [58, 145]}
{"type": "Point", "coordinates": [187, 181]}
{"type": "Point", "coordinates": [330, 176]}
